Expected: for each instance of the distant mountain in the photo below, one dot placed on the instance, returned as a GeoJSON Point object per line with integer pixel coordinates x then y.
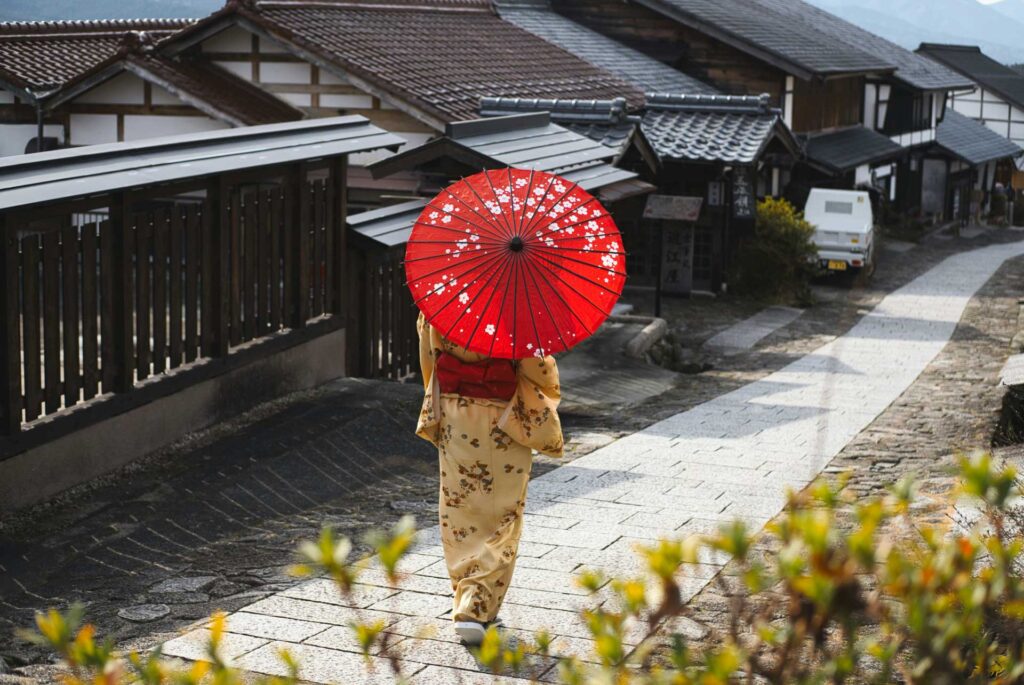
{"type": "Point", "coordinates": [997, 28]}
{"type": "Point", "coordinates": [40, 10]}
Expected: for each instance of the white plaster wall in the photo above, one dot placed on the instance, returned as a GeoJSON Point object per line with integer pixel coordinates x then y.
{"type": "Point", "coordinates": [862, 175]}
{"type": "Point", "coordinates": [297, 99]}
{"type": "Point", "coordinates": [285, 72]}
{"type": "Point", "coordinates": [140, 127]}
{"type": "Point", "coordinates": [14, 137]}
{"type": "Point", "coordinates": [6, 97]}
{"type": "Point", "coordinates": [346, 101]}
{"type": "Point", "coordinates": [123, 89]}
{"type": "Point", "coordinates": [870, 99]}
{"type": "Point", "coordinates": [92, 129]}
{"type": "Point", "coordinates": [1000, 127]}
{"type": "Point", "coordinates": [242, 69]}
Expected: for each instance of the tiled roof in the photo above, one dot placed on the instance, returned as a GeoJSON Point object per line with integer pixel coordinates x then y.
{"type": "Point", "coordinates": [848, 148]}
{"type": "Point", "coordinates": [644, 72]}
{"type": "Point", "coordinates": [805, 39]}
{"type": "Point", "coordinates": [605, 121]}
{"type": "Point", "coordinates": [972, 141]}
{"type": "Point", "coordinates": [526, 141]}
{"type": "Point", "coordinates": [388, 226]}
{"type": "Point", "coordinates": [213, 90]}
{"type": "Point", "coordinates": [712, 128]}
{"type": "Point", "coordinates": [27, 180]}
{"type": "Point", "coordinates": [911, 68]}
{"type": "Point", "coordinates": [41, 57]}
{"type": "Point", "coordinates": [970, 61]}
{"type": "Point", "coordinates": [758, 27]}
{"type": "Point", "coordinates": [439, 59]}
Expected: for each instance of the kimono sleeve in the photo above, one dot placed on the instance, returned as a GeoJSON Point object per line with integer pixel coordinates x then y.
{"type": "Point", "coordinates": [427, 425]}
{"type": "Point", "coordinates": [532, 417]}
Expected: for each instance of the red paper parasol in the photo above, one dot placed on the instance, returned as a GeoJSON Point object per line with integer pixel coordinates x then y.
{"type": "Point", "coordinates": [513, 263]}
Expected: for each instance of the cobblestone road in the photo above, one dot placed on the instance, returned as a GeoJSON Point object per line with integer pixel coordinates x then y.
{"type": "Point", "coordinates": [730, 457]}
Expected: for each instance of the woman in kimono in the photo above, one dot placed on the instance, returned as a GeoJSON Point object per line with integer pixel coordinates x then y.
{"type": "Point", "coordinates": [485, 416]}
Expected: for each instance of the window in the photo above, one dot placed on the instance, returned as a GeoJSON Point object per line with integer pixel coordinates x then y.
{"type": "Point", "coordinates": [908, 111]}
{"type": "Point", "coordinates": [834, 207]}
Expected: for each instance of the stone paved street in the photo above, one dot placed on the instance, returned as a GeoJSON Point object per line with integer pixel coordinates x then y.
{"type": "Point", "coordinates": [733, 456]}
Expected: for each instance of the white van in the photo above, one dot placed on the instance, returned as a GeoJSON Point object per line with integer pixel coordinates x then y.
{"type": "Point", "coordinates": [844, 228]}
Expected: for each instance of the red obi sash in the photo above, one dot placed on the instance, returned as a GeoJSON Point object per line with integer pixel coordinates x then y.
{"type": "Point", "coordinates": [490, 379]}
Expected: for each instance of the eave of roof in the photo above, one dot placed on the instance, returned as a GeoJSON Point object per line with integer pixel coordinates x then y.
{"type": "Point", "coordinates": [430, 102]}
{"type": "Point", "coordinates": [643, 71]}
{"type": "Point", "coordinates": [528, 141]}
{"type": "Point", "coordinates": [995, 76]}
{"type": "Point", "coordinates": [846, 149]}
{"type": "Point", "coordinates": [103, 40]}
{"type": "Point", "coordinates": [714, 128]}
{"type": "Point", "coordinates": [70, 173]}
{"type": "Point", "coordinates": [223, 95]}
{"type": "Point", "coordinates": [972, 141]}
{"type": "Point", "coordinates": [762, 52]}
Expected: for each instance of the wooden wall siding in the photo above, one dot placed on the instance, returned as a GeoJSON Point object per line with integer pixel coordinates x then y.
{"type": "Point", "coordinates": [382, 338]}
{"type": "Point", "coordinates": [318, 92]}
{"type": "Point", "coordinates": [819, 106]}
{"type": "Point", "coordinates": [709, 60]}
{"type": "Point", "coordinates": [96, 306]}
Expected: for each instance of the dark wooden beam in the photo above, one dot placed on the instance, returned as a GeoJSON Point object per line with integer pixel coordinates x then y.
{"type": "Point", "coordinates": [121, 297]}
{"type": "Point", "coordinates": [10, 341]}
{"type": "Point", "coordinates": [339, 177]}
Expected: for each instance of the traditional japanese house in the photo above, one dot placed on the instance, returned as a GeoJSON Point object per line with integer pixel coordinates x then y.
{"type": "Point", "coordinates": [977, 158]}
{"type": "Point", "coordinates": [356, 57]}
{"type": "Point", "coordinates": [41, 62]}
{"type": "Point", "coordinates": [998, 97]}
{"type": "Point", "coordinates": [711, 156]}
{"type": "Point", "coordinates": [824, 74]}
{"type": "Point", "coordinates": [528, 141]}
{"type": "Point", "coordinates": [321, 59]}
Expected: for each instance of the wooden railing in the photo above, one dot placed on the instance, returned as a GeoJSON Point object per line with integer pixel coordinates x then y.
{"type": "Point", "coordinates": [382, 320]}
{"type": "Point", "coordinates": [173, 277]}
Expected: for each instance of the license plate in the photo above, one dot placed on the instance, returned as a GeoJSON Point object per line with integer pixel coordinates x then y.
{"type": "Point", "coordinates": [836, 265]}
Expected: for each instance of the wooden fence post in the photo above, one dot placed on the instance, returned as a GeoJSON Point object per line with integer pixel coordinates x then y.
{"type": "Point", "coordinates": [299, 307]}
{"type": "Point", "coordinates": [339, 176]}
{"type": "Point", "coordinates": [122, 290]}
{"type": "Point", "coordinates": [218, 197]}
{"type": "Point", "coordinates": [10, 341]}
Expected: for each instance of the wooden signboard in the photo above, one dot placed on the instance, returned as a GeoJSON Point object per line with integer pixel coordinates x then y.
{"type": "Point", "coordinates": [742, 194]}
{"type": "Point", "coordinates": [673, 207]}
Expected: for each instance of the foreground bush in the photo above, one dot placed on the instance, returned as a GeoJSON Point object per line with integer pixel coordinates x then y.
{"type": "Point", "coordinates": [778, 263]}
{"type": "Point", "coordinates": [882, 601]}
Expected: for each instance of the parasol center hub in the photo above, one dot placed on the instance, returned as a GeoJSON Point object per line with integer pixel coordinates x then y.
{"type": "Point", "coordinates": [516, 244]}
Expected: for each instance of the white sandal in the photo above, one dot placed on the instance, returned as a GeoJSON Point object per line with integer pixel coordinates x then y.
{"type": "Point", "coordinates": [471, 632]}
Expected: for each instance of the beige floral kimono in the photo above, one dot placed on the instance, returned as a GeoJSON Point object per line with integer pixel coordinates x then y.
{"type": "Point", "coordinates": [485, 454]}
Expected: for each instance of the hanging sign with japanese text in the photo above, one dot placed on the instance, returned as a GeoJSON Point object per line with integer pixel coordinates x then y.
{"type": "Point", "coordinates": [742, 194]}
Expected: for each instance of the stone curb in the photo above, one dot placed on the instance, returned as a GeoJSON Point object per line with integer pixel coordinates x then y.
{"type": "Point", "coordinates": [654, 330]}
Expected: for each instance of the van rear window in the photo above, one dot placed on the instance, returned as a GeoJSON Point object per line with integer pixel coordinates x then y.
{"type": "Point", "coordinates": [834, 207]}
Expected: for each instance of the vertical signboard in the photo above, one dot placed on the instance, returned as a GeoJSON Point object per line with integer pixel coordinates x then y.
{"type": "Point", "coordinates": [742, 193]}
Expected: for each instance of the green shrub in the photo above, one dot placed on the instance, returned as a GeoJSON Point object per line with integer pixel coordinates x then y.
{"type": "Point", "coordinates": [882, 601]}
{"type": "Point", "coordinates": [778, 263]}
